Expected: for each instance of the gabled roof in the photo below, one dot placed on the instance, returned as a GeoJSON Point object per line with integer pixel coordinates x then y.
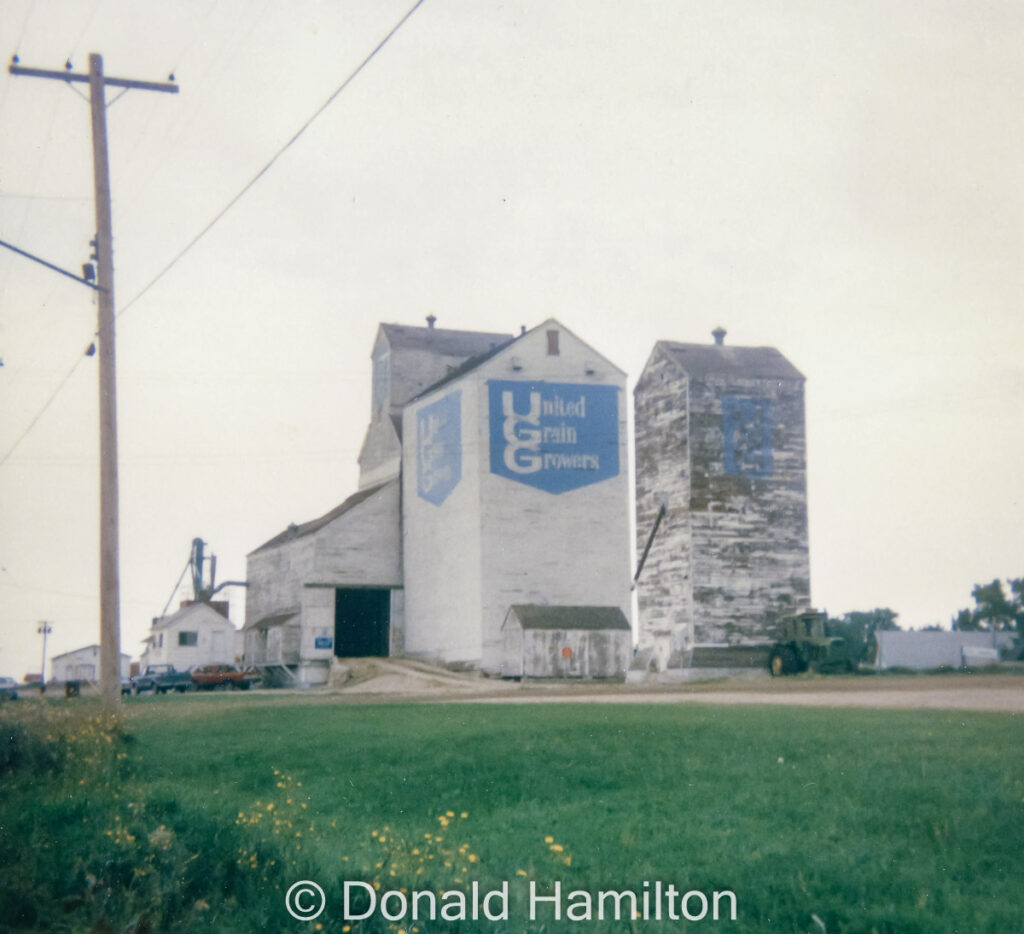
{"type": "Point", "coordinates": [308, 528]}
{"type": "Point", "coordinates": [82, 649]}
{"type": "Point", "coordinates": [442, 341]}
{"type": "Point", "coordinates": [727, 360]}
{"type": "Point", "coordinates": [474, 362]}
{"type": "Point", "coordinates": [176, 617]}
{"type": "Point", "coordinates": [534, 616]}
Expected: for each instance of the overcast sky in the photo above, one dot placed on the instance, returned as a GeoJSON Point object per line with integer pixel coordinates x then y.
{"type": "Point", "coordinates": [841, 181]}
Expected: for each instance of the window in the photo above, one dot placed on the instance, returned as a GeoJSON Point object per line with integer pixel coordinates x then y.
{"type": "Point", "coordinates": [188, 638]}
{"type": "Point", "coordinates": [552, 343]}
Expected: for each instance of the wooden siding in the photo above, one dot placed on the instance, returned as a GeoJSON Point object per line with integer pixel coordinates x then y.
{"type": "Point", "coordinates": [493, 542]}
{"type": "Point", "coordinates": [360, 548]}
{"type": "Point", "coordinates": [732, 551]}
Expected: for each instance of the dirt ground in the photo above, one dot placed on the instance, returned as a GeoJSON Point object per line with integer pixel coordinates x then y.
{"type": "Point", "coordinates": [383, 680]}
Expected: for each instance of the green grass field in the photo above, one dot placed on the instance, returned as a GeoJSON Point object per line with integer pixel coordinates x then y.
{"type": "Point", "coordinates": [201, 812]}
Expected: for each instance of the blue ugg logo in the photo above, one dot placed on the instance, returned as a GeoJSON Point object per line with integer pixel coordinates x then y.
{"type": "Point", "coordinates": [439, 448]}
{"type": "Point", "coordinates": [747, 426]}
{"type": "Point", "coordinates": [553, 436]}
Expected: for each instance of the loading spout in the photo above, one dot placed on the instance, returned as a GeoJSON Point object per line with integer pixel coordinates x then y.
{"type": "Point", "coordinates": [662, 509]}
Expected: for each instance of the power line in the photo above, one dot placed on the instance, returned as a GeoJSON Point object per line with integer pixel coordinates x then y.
{"type": "Point", "coordinates": [238, 197]}
{"type": "Point", "coordinates": [46, 405]}
{"type": "Point", "coordinates": [220, 214]}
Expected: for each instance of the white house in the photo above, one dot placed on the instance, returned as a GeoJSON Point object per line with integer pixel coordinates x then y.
{"type": "Point", "coordinates": [83, 665]}
{"type": "Point", "coordinates": [198, 634]}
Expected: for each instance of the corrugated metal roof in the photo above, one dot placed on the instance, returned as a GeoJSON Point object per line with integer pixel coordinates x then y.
{"type": "Point", "coordinates": [725, 360]}
{"type": "Point", "coordinates": [308, 528]}
{"type": "Point", "coordinates": [534, 616]}
{"type": "Point", "coordinates": [443, 341]}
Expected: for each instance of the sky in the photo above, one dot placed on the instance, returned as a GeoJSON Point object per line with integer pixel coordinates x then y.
{"type": "Point", "coordinates": [840, 181]}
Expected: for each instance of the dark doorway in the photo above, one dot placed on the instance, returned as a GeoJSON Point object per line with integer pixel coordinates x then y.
{"type": "Point", "coordinates": [361, 622]}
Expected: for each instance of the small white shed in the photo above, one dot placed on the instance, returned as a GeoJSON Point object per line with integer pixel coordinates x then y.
{"type": "Point", "coordinates": [83, 665]}
{"type": "Point", "coordinates": [566, 642]}
{"type": "Point", "coordinates": [926, 649]}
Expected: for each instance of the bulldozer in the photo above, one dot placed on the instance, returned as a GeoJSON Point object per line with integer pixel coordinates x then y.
{"type": "Point", "coordinates": [803, 643]}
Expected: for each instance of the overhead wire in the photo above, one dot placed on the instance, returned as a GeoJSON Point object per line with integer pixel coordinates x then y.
{"type": "Point", "coordinates": [182, 119]}
{"type": "Point", "coordinates": [198, 24]}
{"type": "Point", "coordinates": [83, 31]}
{"type": "Point", "coordinates": [220, 214]}
{"type": "Point", "coordinates": [38, 166]}
{"type": "Point", "coordinates": [273, 159]}
{"type": "Point", "coordinates": [32, 424]}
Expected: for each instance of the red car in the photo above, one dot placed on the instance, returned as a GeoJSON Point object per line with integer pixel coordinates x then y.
{"type": "Point", "coordinates": [212, 677]}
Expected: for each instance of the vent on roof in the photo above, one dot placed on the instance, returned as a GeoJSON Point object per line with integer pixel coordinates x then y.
{"type": "Point", "coordinates": [719, 335]}
{"type": "Point", "coordinates": [431, 321]}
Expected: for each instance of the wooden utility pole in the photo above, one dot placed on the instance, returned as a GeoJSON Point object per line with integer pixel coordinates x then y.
{"type": "Point", "coordinates": [110, 588]}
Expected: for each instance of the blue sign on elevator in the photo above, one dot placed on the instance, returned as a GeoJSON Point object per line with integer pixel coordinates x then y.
{"type": "Point", "coordinates": [747, 426]}
{"type": "Point", "coordinates": [439, 448]}
{"type": "Point", "coordinates": [553, 436]}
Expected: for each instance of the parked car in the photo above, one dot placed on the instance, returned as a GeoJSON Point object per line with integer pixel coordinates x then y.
{"type": "Point", "coordinates": [211, 677]}
{"type": "Point", "coordinates": [162, 678]}
{"type": "Point", "coordinates": [8, 689]}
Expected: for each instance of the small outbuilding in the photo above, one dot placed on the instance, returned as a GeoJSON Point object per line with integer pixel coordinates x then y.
{"type": "Point", "coordinates": [926, 649]}
{"type": "Point", "coordinates": [83, 665]}
{"type": "Point", "coordinates": [565, 642]}
{"type": "Point", "coordinates": [197, 634]}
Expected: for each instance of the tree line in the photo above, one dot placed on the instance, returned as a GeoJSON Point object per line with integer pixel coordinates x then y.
{"type": "Point", "coordinates": [998, 607]}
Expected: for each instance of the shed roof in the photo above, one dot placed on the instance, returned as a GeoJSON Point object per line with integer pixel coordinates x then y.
{"type": "Point", "coordinates": [726, 360]}
{"type": "Point", "coordinates": [308, 528]}
{"type": "Point", "coordinates": [271, 622]}
{"type": "Point", "coordinates": [535, 616]}
{"type": "Point", "coordinates": [84, 648]}
{"type": "Point", "coordinates": [450, 343]}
